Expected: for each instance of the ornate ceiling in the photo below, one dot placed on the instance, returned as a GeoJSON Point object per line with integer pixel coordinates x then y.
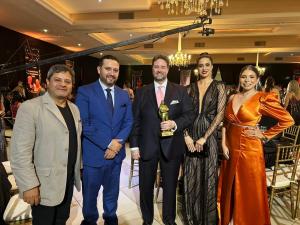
{"type": "Point", "coordinates": [244, 28]}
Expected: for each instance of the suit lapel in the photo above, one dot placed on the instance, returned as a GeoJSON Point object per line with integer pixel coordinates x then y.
{"type": "Point", "coordinates": [102, 99]}
{"type": "Point", "coordinates": [169, 93]}
{"type": "Point", "coordinates": [51, 106]}
{"type": "Point", "coordinates": [117, 99]}
{"type": "Point", "coordinates": [152, 96]}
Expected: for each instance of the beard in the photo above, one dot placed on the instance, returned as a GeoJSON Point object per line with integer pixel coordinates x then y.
{"type": "Point", "coordinates": [160, 77]}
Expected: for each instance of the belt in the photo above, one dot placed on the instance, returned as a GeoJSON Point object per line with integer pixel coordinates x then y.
{"type": "Point", "coordinates": [243, 126]}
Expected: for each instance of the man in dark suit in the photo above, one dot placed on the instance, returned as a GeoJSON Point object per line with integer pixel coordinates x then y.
{"type": "Point", "coordinates": [149, 147]}
{"type": "Point", "coordinates": [106, 115]}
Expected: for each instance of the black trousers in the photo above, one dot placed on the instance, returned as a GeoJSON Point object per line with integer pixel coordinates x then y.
{"type": "Point", "coordinates": [54, 215]}
{"type": "Point", "coordinates": [147, 174]}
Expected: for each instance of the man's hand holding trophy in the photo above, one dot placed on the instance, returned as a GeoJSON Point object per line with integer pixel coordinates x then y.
{"type": "Point", "coordinates": [166, 124]}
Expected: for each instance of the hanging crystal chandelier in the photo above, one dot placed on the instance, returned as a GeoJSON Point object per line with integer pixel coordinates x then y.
{"type": "Point", "coordinates": [186, 7]}
{"type": "Point", "coordinates": [180, 58]}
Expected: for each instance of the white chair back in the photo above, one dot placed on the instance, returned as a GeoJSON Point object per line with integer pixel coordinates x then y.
{"type": "Point", "coordinates": [16, 210]}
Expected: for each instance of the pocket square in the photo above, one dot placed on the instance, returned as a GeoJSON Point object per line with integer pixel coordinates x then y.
{"type": "Point", "coordinates": [173, 102]}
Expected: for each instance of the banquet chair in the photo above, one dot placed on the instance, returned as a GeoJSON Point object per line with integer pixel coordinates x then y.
{"type": "Point", "coordinates": [7, 172]}
{"type": "Point", "coordinates": [134, 172]}
{"type": "Point", "coordinates": [158, 182]}
{"type": "Point", "coordinates": [7, 167]}
{"type": "Point", "coordinates": [13, 208]}
{"type": "Point", "coordinates": [297, 184]}
{"type": "Point", "coordinates": [291, 134]}
{"type": "Point", "coordinates": [14, 188]}
{"type": "Point", "coordinates": [282, 176]}
{"type": "Point", "coordinates": [17, 210]}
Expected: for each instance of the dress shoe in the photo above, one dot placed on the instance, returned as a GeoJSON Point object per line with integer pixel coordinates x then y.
{"type": "Point", "coordinates": [84, 222]}
{"type": "Point", "coordinates": [110, 220]}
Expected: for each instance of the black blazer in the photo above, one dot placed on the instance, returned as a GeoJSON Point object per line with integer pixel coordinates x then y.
{"type": "Point", "coordinates": [146, 128]}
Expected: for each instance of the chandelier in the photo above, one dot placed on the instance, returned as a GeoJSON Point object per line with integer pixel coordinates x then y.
{"type": "Point", "coordinates": [180, 58]}
{"type": "Point", "coordinates": [200, 7]}
{"type": "Point", "coordinates": [261, 70]}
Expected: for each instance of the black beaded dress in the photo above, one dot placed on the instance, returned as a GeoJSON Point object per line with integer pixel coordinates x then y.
{"type": "Point", "coordinates": [200, 172]}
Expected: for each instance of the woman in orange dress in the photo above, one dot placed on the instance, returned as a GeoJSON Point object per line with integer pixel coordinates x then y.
{"type": "Point", "coordinates": [242, 190]}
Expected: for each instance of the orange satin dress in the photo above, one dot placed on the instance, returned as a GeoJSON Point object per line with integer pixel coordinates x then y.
{"type": "Point", "coordinates": [242, 190]}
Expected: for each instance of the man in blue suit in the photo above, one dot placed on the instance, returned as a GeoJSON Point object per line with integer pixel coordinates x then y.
{"type": "Point", "coordinates": [106, 116]}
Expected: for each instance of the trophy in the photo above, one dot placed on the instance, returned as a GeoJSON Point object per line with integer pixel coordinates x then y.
{"type": "Point", "coordinates": [163, 113]}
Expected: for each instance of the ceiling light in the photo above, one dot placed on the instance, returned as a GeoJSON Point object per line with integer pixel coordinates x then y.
{"type": "Point", "coordinates": [99, 0]}
{"type": "Point", "coordinates": [130, 35]}
{"type": "Point", "coordinates": [292, 54]}
{"type": "Point", "coordinates": [45, 30]}
{"type": "Point", "coordinates": [208, 31]}
{"type": "Point", "coordinates": [79, 44]}
{"type": "Point", "coordinates": [180, 58]}
{"type": "Point", "coordinates": [261, 70]}
{"type": "Point", "coordinates": [187, 7]}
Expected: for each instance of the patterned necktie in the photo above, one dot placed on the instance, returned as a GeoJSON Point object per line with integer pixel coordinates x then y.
{"type": "Point", "coordinates": [159, 95]}
{"type": "Point", "coordinates": [109, 100]}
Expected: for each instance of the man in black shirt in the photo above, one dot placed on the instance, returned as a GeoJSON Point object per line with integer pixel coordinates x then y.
{"type": "Point", "coordinates": [46, 149]}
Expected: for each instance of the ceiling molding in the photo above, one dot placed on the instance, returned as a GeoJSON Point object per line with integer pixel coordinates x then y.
{"type": "Point", "coordinates": [93, 24]}
{"type": "Point", "coordinates": [57, 9]}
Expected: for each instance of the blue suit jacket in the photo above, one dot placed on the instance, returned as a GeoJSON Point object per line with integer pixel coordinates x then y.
{"type": "Point", "coordinates": [99, 126]}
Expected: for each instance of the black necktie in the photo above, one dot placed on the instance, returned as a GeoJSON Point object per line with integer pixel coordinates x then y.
{"type": "Point", "coordinates": [109, 100]}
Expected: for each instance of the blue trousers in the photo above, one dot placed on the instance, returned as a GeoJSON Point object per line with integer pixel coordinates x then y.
{"type": "Point", "coordinates": [108, 177]}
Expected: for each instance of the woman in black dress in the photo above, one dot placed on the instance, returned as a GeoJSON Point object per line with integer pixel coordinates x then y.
{"type": "Point", "coordinates": [201, 159]}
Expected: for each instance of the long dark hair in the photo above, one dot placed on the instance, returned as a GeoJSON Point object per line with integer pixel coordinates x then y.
{"type": "Point", "coordinates": [204, 55]}
{"type": "Point", "coordinates": [269, 84]}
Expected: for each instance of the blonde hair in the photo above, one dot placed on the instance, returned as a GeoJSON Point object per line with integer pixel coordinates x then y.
{"type": "Point", "coordinates": [293, 86]}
